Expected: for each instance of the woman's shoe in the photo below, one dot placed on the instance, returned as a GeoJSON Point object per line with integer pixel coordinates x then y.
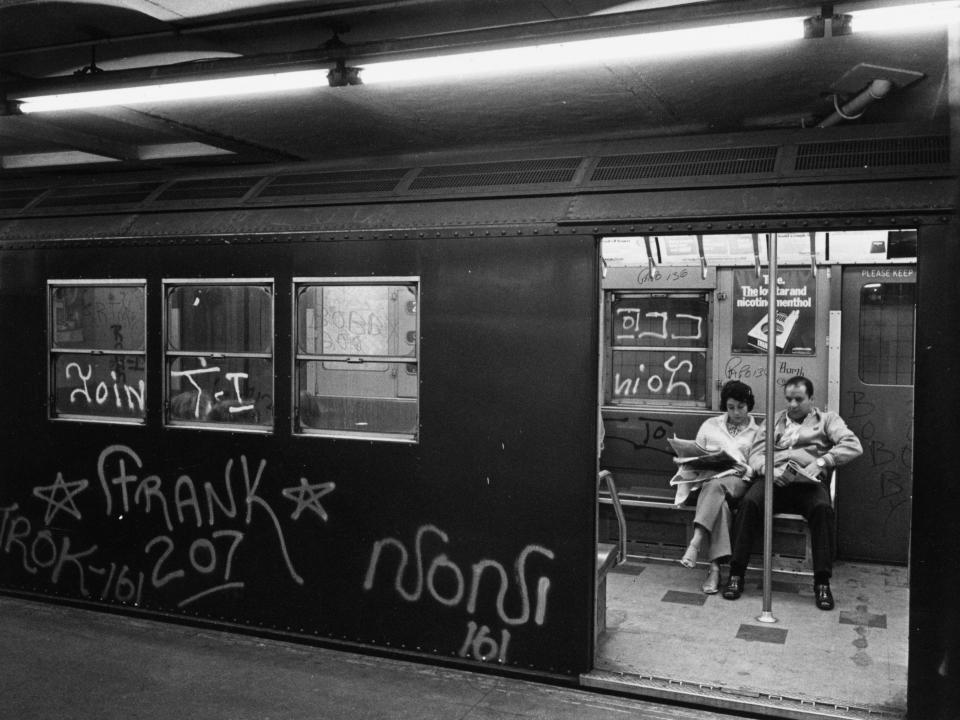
{"type": "Point", "coordinates": [711, 586]}
{"type": "Point", "coordinates": [689, 559]}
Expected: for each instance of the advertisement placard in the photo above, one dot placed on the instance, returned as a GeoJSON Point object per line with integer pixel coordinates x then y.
{"type": "Point", "coordinates": [796, 312]}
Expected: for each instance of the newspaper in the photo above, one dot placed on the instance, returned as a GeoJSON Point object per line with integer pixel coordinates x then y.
{"type": "Point", "coordinates": [691, 456]}
{"type": "Point", "coordinates": [793, 473]}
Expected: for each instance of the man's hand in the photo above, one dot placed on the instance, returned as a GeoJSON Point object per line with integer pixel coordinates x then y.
{"type": "Point", "coordinates": [814, 469]}
{"type": "Point", "coordinates": [780, 480]}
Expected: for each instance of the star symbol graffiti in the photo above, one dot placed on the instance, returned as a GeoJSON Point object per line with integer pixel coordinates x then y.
{"type": "Point", "coordinates": [51, 494]}
{"type": "Point", "coordinates": [308, 496]}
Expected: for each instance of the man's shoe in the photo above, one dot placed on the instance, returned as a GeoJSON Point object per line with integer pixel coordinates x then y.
{"type": "Point", "coordinates": [823, 596]}
{"type": "Point", "coordinates": [734, 588]}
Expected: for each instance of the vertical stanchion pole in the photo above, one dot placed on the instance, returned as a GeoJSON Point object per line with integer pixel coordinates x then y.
{"type": "Point", "coordinates": [766, 614]}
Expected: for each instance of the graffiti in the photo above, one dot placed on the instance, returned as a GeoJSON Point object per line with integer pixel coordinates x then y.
{"type": "Point", "coordinates": [102, 391]}
{"type": "Point", "coordinates": [479, 645]}
{"type": "Point", "coordinates": [629, 325]}
{"type": "Point", "coordinates": [44, 552]}
{"type": "Point", "coordinates": [672, 275]}
{"type": "Point", "coordinates": [203, 405]}
{"type": "Point", "coordinates": [51, 494]}
{"type": "Point", "coordinates": [642, 433]}
{"type": "Point", "coordinates": [743, 368]}
{"type": "Point", "coordinates": [122, 307]}
{"type": "Point", "coordinates": [455, 592]}
{"type": "Point", "coordinates": [204, 527]}
{"type": "Point", "coordinates": [626, 386]}
{"type": "Point", "coordinates": [891, 461]}
{"type": "Point", "coordinates": [443, 562]}
{"type": "Point", "coordinates": [203, 558]}
{"type": "Point", "coordinates": [308, 496]}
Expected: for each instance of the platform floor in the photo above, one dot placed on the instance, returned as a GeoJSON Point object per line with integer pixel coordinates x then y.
{"type": "Point", "coordinates": [63, 663]}
{"type": "Point", "coordinates": [660, 625]}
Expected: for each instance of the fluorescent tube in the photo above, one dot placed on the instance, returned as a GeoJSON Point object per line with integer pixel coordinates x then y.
{"type": "Point", "coordinates": [173, 91]}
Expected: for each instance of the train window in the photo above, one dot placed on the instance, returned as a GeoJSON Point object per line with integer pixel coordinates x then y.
{"type": "Point", "coordinates": [657, 349]}
{"type": "Point", "coordinates": [886, 333]}
{"type": "Point", "coordinates": [218, 353]}
{"type": "Point", "coordinates": [97, 344]}
{"type": "Point", "coordinates": [357, 350]}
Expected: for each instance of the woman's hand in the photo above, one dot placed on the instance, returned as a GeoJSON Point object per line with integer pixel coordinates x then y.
{"type": "Point", "coordinates": [743, 470]}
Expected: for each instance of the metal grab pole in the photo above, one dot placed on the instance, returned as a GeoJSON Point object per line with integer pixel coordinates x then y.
{"type": "Point", "coordinates": [766, 614]}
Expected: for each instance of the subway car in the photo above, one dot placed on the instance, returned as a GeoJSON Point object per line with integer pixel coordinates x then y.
{"type": "Point", "coordinates": [395, 410]}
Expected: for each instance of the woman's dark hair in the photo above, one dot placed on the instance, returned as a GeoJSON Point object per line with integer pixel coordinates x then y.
{"type": "Point", "coordinates": [738, 391]}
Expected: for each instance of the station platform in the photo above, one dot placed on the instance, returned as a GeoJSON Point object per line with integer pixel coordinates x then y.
{"type": "Point", "coordinates": [63, 663]}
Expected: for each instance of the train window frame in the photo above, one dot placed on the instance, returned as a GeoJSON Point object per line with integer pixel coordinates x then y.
{"type": "Point", "coordinates": [862, 326]}
{"type": "Point", "coordinates": [108, 390]}
{"type": "Point", "coordinates": [170, 355]}
{"type": "Point", "coordinates": [410, 363]}
{"type": "Point", "coordinates": [610, 297]}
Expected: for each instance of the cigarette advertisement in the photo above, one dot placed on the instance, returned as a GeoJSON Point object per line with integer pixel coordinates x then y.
{"type": "Point", "coordinates": [795, 318]}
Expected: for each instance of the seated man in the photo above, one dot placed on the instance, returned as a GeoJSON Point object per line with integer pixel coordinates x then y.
{"type": "Point", "coordinates": [815, 441]}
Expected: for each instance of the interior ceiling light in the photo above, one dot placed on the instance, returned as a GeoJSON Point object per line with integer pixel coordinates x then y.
{"type": "Point", "coordinates": [905, 17]}
{"type": "Point", "coordinates": [508, 61]}
{"type": "Point", "coordinates": [173, 91]}
{"type": "Point", "coordinates": [578, 53]}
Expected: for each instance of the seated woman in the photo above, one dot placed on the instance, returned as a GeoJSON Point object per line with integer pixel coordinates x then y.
{"type": "Point", "coordinates": [734, 431]}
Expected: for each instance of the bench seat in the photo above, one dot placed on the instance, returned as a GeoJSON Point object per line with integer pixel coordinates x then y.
{"type": "Point", "coordinates": [658, 528]}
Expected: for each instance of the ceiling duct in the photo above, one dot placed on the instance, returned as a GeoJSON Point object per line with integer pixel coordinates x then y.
{"type": "Point", "coordinates": [866, 84]}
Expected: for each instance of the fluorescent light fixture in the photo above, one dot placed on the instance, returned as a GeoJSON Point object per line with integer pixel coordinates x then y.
{"type": "Point", "coordinates": [581, 53]}
{"type": "Point", "coordinates": [574, 54]}
{"type": "Point", "coordinates": [905, 17]}
{"type": "Point", "coordinates": [66, 157]}
{"type": "Point", "coordinates": [173, 91]}
{"type": "Point", "coordinates": [164, 151]}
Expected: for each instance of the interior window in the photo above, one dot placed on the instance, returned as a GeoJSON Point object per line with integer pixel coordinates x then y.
{"type": "Point", "coordinates": [218, 353]}
{"type": "Point", "coordinates": [657, 348]}
{"type": "Point", "coordinates": [97, 349]}
{"type": "Point", "coordinates": [357, 349]}
{"type": "Point", "coordinates": [886, 333]}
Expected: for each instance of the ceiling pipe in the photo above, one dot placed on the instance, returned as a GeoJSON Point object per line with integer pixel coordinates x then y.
{"type": "Point", "coordinates": [876, 90]}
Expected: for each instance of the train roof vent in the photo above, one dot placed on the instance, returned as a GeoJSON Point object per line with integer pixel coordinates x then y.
{"type": "Point", "coordinates": [221, 188]}
{"type": "Point", "coordinates": [334, 183]}
{"type": "Point", "coordinates": [98, 194]}
{"type": "Point", "coordinates": [873, 153]}
{"type": "Point", "coordinates": [18, 198]}
{"type": "Point", "coordinates": [685, 163]}
{"type": "Point", "coordinates": [496, 174]}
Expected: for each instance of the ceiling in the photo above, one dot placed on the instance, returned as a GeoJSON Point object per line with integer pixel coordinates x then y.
{"type": "Point", "coordinates": [791, 85]}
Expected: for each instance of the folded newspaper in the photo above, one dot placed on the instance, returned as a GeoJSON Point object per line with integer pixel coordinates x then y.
{"type": "Point", "coordinates": [692, 456]}
{"type": "Point", "coordinates": [793, 473]}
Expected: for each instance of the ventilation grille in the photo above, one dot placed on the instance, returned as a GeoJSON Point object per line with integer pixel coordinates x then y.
{"type": "Point", "coordinates": [99, 194]}
{"type": "Point", "coordinates": [881, 152]}
{"type": "Point", "coordinates": [17, 199]}
{"type": "Point", "coordinates": [334, 183]}
{"type": "Point", "coordinates": [208, 189]}
{"type": "Point", "coordinates": [686, 163]}
{"type": "Point", "coordinates": [517, 172]}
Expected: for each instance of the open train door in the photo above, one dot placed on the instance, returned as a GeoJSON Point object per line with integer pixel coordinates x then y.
{"type": "Point", "coordinates": [873, 494]}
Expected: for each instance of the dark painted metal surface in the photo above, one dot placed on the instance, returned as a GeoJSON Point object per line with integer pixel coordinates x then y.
{"type": "Point", "coordinates": [933, 690]}
{"type": "Point", "coordinates": [448, 547]}
{"type": "Point", "coordinates": [873, 493]}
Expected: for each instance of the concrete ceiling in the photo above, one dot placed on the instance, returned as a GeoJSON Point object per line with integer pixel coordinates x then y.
{"type": "Point", "coordinates": [788, 85]}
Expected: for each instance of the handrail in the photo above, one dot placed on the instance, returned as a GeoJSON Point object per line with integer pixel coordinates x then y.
{"type": "Point", "coordinates": [606, 476]}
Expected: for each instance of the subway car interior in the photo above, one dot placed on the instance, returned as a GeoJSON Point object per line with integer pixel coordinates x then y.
{"type": "Point", "coordinates": [370, 325]}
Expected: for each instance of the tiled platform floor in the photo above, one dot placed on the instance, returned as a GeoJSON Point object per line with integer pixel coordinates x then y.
{"type": "Point", "coordinates": [660, 624]}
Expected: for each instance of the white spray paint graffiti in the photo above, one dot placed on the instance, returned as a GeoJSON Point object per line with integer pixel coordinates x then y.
{"type": "Point", "coordinates": [101, 391]}
{"type": "Point", "coordinates": [478, 641]}
{"type": "Point", "coordinates": [209, 556]}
